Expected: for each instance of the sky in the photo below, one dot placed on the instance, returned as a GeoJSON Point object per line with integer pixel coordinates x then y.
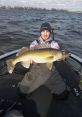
{"type": "Point", "coordinates": [71, 5]}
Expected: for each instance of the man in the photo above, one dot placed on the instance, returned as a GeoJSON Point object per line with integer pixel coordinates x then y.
{"type": "Point", "coordinates": [39, 74]}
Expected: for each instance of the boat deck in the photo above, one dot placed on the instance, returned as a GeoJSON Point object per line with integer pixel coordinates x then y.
{"type": "Point", "coordinates": [46, 105]}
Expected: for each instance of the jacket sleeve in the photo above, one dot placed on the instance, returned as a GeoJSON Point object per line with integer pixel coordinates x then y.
{"type": "Point", "coordinates": [33, 44]}
{"type": "Point", "coordinates": [55, 45]}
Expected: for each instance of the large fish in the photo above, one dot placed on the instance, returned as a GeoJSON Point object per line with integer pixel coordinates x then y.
{"type": "Point", "coordinates": [46, 55]}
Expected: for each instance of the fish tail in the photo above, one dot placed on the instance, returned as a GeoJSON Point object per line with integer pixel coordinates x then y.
{"type": "Point", "coordinates": [10, 65]}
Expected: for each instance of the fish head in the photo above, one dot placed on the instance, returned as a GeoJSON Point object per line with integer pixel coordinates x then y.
{"type": "Point", "coordinates": [61, 55]}
{"type": "Point", "coordinates": [65, 54]}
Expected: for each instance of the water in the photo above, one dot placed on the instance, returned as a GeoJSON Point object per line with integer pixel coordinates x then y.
{"type": "Point", "coordinates": [18, 27]}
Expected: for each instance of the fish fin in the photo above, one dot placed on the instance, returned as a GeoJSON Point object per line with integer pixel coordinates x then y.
{"type": "Point", "coordinates": [10, 66]}
{"type": "Point", "coordinates": [49, 65]}
{"type": "Point", "coordinates": [25, 64]}
{"type": "Point", "coordinates": [50, 58]}
{"type": "Point", "coordinates": [24, 49]}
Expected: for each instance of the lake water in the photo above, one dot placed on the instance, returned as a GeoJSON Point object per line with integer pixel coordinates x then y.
{"type": "Point", "coordinates": [18, 27]}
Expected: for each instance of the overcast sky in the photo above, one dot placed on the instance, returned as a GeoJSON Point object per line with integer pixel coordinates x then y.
{"type": "Point", "coordinates": [74, 5]}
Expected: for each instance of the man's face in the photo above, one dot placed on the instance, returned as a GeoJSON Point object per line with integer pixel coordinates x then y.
{"type": "Point", "coordinates": [45, 34]}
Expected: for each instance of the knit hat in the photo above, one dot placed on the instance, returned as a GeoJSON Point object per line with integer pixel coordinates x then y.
{"type": "Point", "coordinates": [45, 26]}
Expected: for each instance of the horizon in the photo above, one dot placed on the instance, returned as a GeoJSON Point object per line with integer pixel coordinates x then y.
{"type": "Point", "coordinates": [68, 5]}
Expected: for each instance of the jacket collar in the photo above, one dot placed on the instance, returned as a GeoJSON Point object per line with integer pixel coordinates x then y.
{"type": "Point", "coordinates": [42, 41]}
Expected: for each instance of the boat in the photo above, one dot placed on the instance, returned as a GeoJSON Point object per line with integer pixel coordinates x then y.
{"type": "Point", "coordinates": [49, 107]}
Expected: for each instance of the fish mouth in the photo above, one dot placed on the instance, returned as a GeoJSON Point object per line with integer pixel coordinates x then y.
{"type": "Point", "coordinates": [65, 55]}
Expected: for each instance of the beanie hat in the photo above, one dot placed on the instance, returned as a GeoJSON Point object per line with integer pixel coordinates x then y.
{"type": "Point", "coordinates": [45, 26]}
